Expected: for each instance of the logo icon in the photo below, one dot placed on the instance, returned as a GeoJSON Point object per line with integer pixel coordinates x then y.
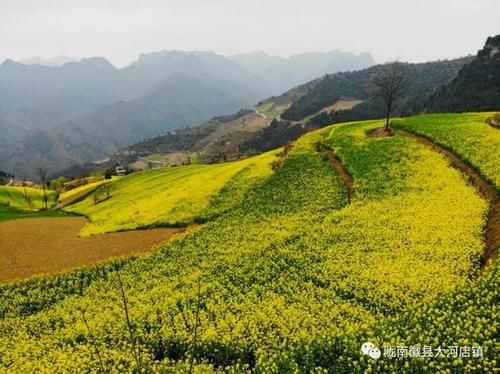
{"type": "Point", "coordinates": [371, 350]}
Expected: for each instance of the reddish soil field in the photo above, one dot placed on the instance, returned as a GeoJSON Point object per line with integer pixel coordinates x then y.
{"type": "Point", "coordinates": [46, 245]}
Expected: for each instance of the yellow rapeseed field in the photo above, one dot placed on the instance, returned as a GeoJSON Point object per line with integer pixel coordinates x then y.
{"type": "Point", "coordinates": [284, 277]}
{"type": "Point", "coordinates": [171, 196]}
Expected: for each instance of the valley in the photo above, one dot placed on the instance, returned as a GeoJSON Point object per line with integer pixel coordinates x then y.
{"type": "Point", "coordinates": [81, 111]}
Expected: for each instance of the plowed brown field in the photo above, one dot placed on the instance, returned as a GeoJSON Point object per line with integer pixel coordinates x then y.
{"type": "Point", "coordinates": [47, 245]}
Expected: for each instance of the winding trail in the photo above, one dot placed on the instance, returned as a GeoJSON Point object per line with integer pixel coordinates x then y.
{"type": "Point", "coordinates": [339, 167]}
{"type": "Point", "coordinates": [492, 229]}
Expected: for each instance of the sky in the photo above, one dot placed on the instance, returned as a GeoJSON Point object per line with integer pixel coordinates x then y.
{"type": "Point", "coordinates": [120, 30]}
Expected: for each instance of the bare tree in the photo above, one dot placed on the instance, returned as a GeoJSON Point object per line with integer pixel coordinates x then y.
{"type": "Point", "coordinates": [42, 174]}
{"type": "Point", "coordinates": [388, 86]}
{"type": "Point", "coordinates": [26, 195]}
{"type": "Point", "coordinates": [105, 190]}
{"type": "Point", "coordinates": [92, 340]}
{"type": "Point", "coordinates": [131, 328]}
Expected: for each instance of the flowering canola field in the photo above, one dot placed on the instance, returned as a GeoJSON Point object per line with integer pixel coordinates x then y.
{"type": "Point", "coordinates": [171, 196]}
{"type": "Point", "coordinates": [76, 193]}
{"type": "Point", "coordinates": [467, 135]}
{"type": "Point", "coordinates": [286, 276]}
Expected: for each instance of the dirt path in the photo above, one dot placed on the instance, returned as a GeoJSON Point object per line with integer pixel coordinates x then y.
{"type": "Point", "coordinates": [337, 164]}
{"type": "Point", "coordinates": [259, 113]}
{"type": "Point", "coordinates": [47, 245]}
{"type": "Point", "coordinates": [492, 229]}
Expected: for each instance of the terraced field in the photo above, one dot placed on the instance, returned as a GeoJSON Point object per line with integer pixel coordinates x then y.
{"type": "Point", "coordinates": [285, 276]}
{"type": "Point", "coordinates": [468, 135]}
{"type": "Point", "coordinates": [172, 196]}
{"type": "Point", "coordinates": [74, 194]}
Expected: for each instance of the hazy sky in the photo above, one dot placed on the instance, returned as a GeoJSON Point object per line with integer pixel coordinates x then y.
{"type": "Point", "coordinates": [414, 30]}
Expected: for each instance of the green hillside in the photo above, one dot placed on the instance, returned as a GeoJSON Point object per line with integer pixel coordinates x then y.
{"type": "Point", "coordinates": [7, 214]}
{"type": "Point", "coordinates": [77, 193]}
{"type": "Point", "coordinates": [287, 275]}
{"type": "Point", "coordinates": [14, 205]}
{"type": "Point", "coordinates": [422, 80]}
{"type": "Point", "coordinates": [173, 196]}
{"type": "Point", "coordinates": [14, 197]}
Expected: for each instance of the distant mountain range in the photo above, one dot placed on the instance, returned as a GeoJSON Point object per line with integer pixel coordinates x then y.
{"type": "Point", "coordinates": [89, 110]}
{"type": "Point", "coordinates": [281, 74]}
{"type": "Point", "coordinates": [179, 101]}
{"type": "Point", "coordinates": [61, 112]}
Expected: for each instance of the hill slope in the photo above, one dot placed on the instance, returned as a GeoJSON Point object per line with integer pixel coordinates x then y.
{"type": "Point", "coordinates": [14, 197]}
{"type": "Point", "coordinates": [173, 196]}
{"type": "Point", "coordinates": [421, 81]}
{"type": "Point", "coordinates": [294, 278]}
{"type": "Point", "coordinates": [62, 110]}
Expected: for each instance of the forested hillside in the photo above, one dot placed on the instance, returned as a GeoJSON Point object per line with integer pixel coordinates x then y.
{"type": "Point", "coordinates": [477, 85]}
{"type": "Point", "coordinates": [421, 81]}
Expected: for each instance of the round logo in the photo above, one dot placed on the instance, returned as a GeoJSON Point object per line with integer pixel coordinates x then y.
{"type": "Point", "coordinates": [371, 350]}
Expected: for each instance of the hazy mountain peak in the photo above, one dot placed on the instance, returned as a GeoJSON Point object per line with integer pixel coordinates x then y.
{"type": "Point", "coordinates": [282, 73]}
{"type": "Point", "coordinates": [100, 62]}
{"type": "Point", "coordinates": [10, 62]}
{"type": "Point", "coordinates": [160, 57]}
{"type": "Point", "coordinates": [51, 62]}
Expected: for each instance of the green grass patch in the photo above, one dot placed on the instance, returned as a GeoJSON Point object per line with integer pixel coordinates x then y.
{"type": "Point", "coordinates": [270, 110]}
{"type": "Point", "coordinates": [14, 197]}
